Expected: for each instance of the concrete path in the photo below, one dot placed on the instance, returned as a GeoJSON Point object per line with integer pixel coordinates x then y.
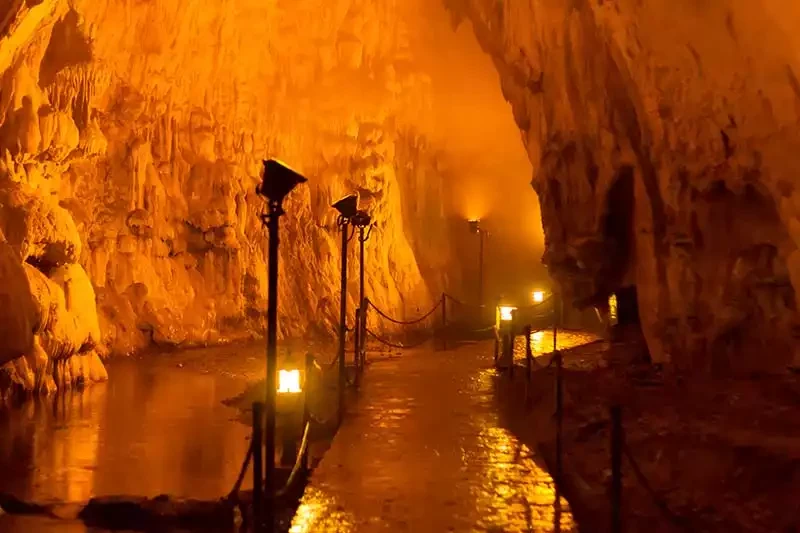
{"type": "Point", "coordinates": [423, 451]}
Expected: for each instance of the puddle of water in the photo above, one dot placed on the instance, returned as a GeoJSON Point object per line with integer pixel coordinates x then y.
{"type": "Point", "coordinates": [157, 427]}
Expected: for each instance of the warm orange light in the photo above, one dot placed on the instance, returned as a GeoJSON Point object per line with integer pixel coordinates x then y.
{"type": "Point", "coordinates": [538, 296]}
{"type": "Point", "coordinates": [506, 313]}
{"type": "Point", "coordinates": [612, 309]}
{"type": "Point", "coordinates": [289, 381]}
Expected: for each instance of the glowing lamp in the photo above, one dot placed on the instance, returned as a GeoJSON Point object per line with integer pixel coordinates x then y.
{"type": "Point", "coordinates": [361, 219]}
{"type": "Point", "coordinates": [289, 382]}
{"type": "Point", "coordinates": [613, 310]}
{"type": "Point", "coordinates": [278, 181]}
{"type": "Point", "coordinates": [475, 226]}
{"type": "Point", "coordinates": [506, 313]}
{"type": "Point", "coordinates": [347, 206]}
{"type": "Point", "coordinates": [538, 296]}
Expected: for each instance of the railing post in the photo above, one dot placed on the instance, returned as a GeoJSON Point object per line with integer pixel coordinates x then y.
{"type": "Point", "coordinates": [555, 328]}
{"type": "Point", "coordinates": [364, 316]}
{"type": "Point", "coordinates": [616, 468]}
{"type": "Point", "coordinates": [512, 337]}
{"type": "Point", "coordinates": [559, 415]}
{"type": "Point", "coordinates": [356, 345]}
{"type": "Point", "coordinates": [444, 321]}
{"type": "Point", "coordinates": [306, 410]}
{"type": "Point", "coordinates": [528, 363]}
{"type": "Point", "coordinates": [342, 381]}
{"type": "Point", "coordinates": [496, 344]}
{"type": "Point", "coordinates": [258, 467]}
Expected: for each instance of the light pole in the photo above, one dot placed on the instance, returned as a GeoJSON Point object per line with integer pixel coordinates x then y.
{"type": "Point", "coordinates": [475, 227]}
{"type": "Point", "coordinates": [277, 182]}
{"type": "Point", "coordinates": [348, 208]}
{"type": "Point", "coordinates": [363, 222]}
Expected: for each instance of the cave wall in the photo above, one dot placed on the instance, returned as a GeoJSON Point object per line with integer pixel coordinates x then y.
{"type": "Point", "coordinates": [699, 102]}
{"type": "Point", "coordinates": [131, 140]}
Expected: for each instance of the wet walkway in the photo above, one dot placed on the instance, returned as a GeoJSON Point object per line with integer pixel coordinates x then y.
{"type": "Point", "coordinates": [422, 450]}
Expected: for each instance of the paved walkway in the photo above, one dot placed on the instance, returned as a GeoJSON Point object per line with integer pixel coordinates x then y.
{"type": "Point", "coordinates": [423, 451]}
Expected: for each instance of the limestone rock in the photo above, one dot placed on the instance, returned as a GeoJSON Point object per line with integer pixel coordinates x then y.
{"type": "Point", "coordinates": [67, 312]}
{"type": "Point", "coordinates": [663, 137]}
{"type": "Point", "coordinates": [60, 135]}
{"type": "Point", "coordinates": [18, 316]}
{"type": "Point", "coordinates": [42, 231]}
{"type": "Point", "coordinates": [75, 327]}
{"type": "Point", "coordinates": [155, 139]}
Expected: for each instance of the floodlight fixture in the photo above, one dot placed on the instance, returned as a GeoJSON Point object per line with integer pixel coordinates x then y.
{"type": "Point", "coordinates": [278, 181]}
{"type": "Point", "coordinates": [347, 206]}
{"type": "Point", "coordinates": [361, 219]}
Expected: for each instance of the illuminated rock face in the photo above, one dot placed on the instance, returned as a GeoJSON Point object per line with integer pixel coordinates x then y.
{"type": "Point", "coordinates": [664, 137]}
{"type": "Point", "coordinates": [130, 148]}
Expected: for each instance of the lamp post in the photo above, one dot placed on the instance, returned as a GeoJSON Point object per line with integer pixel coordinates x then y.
{"type": "Point", "coordinates": [475, 227]}
{"type": "Point", "coordinates": [278, 181]}
{"type": "Point", "coordinates": [348, 208]}
{"type": "Point", "coordinates": [363, 222]}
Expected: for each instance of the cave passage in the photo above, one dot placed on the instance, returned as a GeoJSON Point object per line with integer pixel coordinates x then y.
{"type": "Point", "coordinates": [513, 164]}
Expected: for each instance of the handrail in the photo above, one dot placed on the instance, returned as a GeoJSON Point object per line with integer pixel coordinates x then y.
{"type": "Point", "coordinates": [239, 480]}
{"type": "Point", "coordinates": [399, 346]}
{"type": "Point", "coordinates": [674, 519]}
{"type": "Point", "coordinates": [295, 469]}
{"type": "Point", "coordinates": [297, 463]}
{"type": "Point", "coordinates": [404, 322]}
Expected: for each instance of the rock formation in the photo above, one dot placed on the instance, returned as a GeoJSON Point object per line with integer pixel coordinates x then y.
{"type": "Point", "coordinates": [664, 138]}
{"type": "Point", "coordinates": [131, 140]}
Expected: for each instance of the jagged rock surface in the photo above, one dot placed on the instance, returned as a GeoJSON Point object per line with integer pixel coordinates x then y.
{"type": "Point", "coordinates": [664, 136]}
{"type": "Point", "coordinates": [131, 140]}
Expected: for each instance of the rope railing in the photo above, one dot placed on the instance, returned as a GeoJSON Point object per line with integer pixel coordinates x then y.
{"type": "Point", "coordinates": [239, 480]}
{"type": "Point", "coordinates": [540, 366]}
{"type": "Point", "coordinates": [619, 446]}
{"type": "Point", "coordinates": [398, 346]}
{"type": "Point", "coordinates": [657, 500]}
{"type": "Point", "coordinates": [404, 322]}
{"type": "Point", "coordinates": [232, 495]}
{"type": "Point", "coordinates": [298, 462]}
{"type": "Point", "coordinates": [459, 302]}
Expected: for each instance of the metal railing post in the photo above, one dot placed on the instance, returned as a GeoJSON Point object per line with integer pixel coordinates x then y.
{"type": "Point", "coordinates": [559, 415]}
{"type": "Point", "coordinates": [512, 337]}
{"type": "Point", "coordinates": [364, 315]}
{"type": "Point", "coordinates": [342, 324]}
{"type": "Point", "coordinates": [555, 322]}
{"type": "Point", "coordinates": [306, 410]}
{"type": "Point", "coordinates": [616, 468]}
{"type": "Point", "coordinates": [258, 467]}
{"type": "Point", "coordinates": [528, 363]}
{"type": "Point", "coordinates": [356, 344]}
{"type": "Point", "coordinates": [496, 344]}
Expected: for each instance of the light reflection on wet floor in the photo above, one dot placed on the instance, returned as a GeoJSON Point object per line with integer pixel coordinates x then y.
{"type": "Point", "coordinates": [542, 342]}
{"type": "Point", "coordinates": [158, 426]}
{"type": "Point", "coordinates": [424, 451]}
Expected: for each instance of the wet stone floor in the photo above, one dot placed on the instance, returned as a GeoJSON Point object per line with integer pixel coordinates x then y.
{"type": "Point", "coordinates": [423, 450]}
